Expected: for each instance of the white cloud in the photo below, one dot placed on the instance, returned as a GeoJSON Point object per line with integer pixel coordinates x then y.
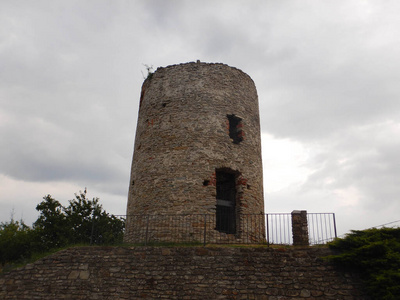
{"type": "Point", "coordinates": [283, 163]}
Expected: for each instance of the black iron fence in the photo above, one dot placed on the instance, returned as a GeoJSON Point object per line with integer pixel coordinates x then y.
{"type": "Point", "coordinates": [271, 228]}
{"type": "Point", "coordinates": [321, 228]}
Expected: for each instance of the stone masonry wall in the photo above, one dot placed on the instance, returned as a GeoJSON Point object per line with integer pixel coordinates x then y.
{"type": "Point", "coordinates": [182, 273]}
{"type": "Point", "coordinates": [300, 228]}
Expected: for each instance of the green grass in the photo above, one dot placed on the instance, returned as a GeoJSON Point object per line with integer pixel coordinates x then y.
{"type": "Point", "coordinates": [9, 266]}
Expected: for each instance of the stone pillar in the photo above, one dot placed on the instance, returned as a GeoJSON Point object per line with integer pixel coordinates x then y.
{"type": "Point", "coordinates": [300, 228]}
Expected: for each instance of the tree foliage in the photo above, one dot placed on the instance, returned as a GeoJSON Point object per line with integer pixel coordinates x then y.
{"type": "Point", "coordinates": [83, 221]}
{"type": "Point", "coordinates": [15, 241]}
{"type": "Point", "coordinates": [375, 253]}
{"type": "Point", "coordinates": [51, 224]}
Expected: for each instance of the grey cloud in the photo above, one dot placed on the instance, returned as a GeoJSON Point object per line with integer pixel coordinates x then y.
{"type": "Point", "coordinates": [58, 95]}
{"type": "Point", "coordinates": [49, 157]}
{"type": "Point", "coordinates": [365, 159]}
{"type": "Point", "coordinates": [336, 75]}
{"type": "Point", "coordinates": [327, 77]}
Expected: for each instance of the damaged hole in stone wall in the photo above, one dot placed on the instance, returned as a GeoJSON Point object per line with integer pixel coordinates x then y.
{"type": "Point", "coordinates": [133, 182]}
{"type": "Point", "coordinates": [164, 104]}
{"type": "Point", "coordinates": [235, 128]}
{"type": "Point", "coordinates": [206, 182]}
{"type": "Point", "coordinates": [226, 202]}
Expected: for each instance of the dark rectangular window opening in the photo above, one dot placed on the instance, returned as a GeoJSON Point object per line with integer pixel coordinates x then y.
{"type": "Point", "coordinates": [226, 202]}
{"type": "Point", "coordinates": [235, 128]}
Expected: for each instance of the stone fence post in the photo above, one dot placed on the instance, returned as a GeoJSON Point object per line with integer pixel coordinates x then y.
{"type": "Point", "coordinates": [300, 228]}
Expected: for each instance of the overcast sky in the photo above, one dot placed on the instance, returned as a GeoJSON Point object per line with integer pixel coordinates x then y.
{"type": "Point", "coordinates": [327, 75]}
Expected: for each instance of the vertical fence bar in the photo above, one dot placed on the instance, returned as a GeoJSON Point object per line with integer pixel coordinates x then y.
{"type": "Point", "coordinates": [321, 238]}
{"type": "Point", "coordinates": [247, 229]}
{"type": "Point", "coordinates": [334, 224]}
{"type": "Point", "coordinates": [330, 226]}
{"type": "Point", "coordinates": [147, 230]}
{"type": "Point", "coordinates": [267, 229]}
{"type": "Point", "coordinates": [289, 225]}
{"type": "Point", "coordinates": [275, 230]}
{"type": "Point", "coordinates": [205, 230]}
{"type": "Point", "coordinates": [313, 228]}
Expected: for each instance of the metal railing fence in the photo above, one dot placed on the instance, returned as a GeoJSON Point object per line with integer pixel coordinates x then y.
{"type": "Point", "coordinates": [321, 228]}
{"type": "Point", "coordinates": [271, 228]}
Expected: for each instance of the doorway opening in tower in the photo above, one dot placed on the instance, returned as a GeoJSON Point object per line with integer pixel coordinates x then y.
{"type": "Point", "coordinates": [235, 128]}
{"type": "Point", "coordinates": [226, 201]}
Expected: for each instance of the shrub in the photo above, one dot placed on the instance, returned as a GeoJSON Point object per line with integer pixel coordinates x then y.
{"type": "Point", "coordinates": [375, 254]}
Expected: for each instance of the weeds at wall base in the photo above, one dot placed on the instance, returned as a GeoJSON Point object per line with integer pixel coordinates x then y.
{"type": "Point", "coordinates": [9, 266]}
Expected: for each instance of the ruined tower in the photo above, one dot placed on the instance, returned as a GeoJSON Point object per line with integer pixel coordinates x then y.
{"type": "Point", "coordinates": [197, 157]}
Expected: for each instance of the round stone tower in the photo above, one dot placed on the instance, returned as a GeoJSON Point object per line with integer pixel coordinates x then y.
{"type": "Point", "coordinates": [197, 169]}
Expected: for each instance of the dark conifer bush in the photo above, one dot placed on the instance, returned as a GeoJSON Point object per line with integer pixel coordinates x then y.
{"type": "Point", "coordinates": [375, 254]}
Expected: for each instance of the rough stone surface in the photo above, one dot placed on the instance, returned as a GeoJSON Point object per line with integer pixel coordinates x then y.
{"type": "Point", "coordinates": [300, 228]}
{"type": "Point", "coordinates": [182, 273]}
{"type": "Point", "coordinates": [182, 139]}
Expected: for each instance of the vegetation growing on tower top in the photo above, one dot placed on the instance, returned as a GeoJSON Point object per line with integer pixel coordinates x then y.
{"type": "Point", "coordinates": [150, 72]}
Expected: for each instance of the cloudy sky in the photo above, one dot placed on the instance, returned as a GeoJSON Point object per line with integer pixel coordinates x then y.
{"type": "Point", "coordinates": [327, 75]}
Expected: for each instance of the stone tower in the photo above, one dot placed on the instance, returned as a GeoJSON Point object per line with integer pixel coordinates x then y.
{"type": "Point", "coordinates": [197, 157]}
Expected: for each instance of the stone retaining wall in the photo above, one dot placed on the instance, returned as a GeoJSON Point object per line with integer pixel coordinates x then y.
{"type": "Point", "coordinates": [182, 273]}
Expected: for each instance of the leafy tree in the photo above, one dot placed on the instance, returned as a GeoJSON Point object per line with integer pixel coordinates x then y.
{"type": "Point", "coordinates": [15, 241]}
{"type": "Point", "coordinates": [82, 221]}
{"type": "Point", "coordinates": [51, 224]}
{"type": "Point", "coordinates": [89, 223]}
{"type": "Point", "coordinates": [375, 253]}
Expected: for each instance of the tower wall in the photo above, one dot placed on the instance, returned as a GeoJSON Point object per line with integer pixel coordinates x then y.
{"type": "Point", "coordinates": [197, 123]}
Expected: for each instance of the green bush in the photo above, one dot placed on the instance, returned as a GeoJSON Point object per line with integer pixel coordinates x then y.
{"type": "Point", "coordinates": [375, 254]}
{"type": "Point", "coordinates": [15, 241]}
{"type": "Point", "coordinates": [83, 221]}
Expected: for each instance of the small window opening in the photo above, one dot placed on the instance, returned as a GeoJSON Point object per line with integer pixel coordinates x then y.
{"type": "Point", "coordinates": [226, 202]}
{"type": "Point", "coordinates": [206, 182]}
{"type": "Point", "coordinates": [235, 128]}
{"type": "Point", "coordinates": [133, 182]}
{"type": "Point", "coordinates": [164, 104]}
